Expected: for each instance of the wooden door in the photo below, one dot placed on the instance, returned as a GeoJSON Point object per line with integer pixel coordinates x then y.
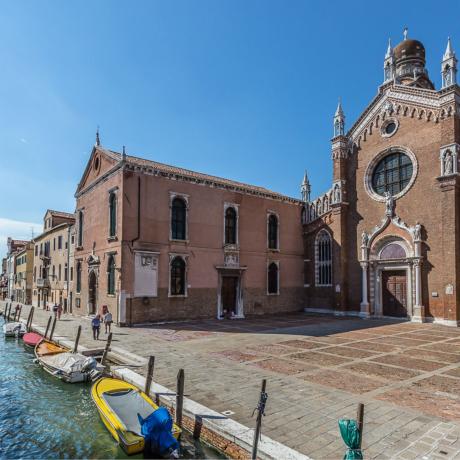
{"type": "Point", "coordinates": [394, 293]}
{"type": "Point", "coordinates": [229, 292]}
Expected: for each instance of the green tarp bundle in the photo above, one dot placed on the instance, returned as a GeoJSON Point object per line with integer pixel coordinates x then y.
{"type": "Point", "coordinates": [352, 438]}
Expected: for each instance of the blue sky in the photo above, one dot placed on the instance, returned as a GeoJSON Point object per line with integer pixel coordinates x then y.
{"type": "Point", "coordinates": [244, 89]}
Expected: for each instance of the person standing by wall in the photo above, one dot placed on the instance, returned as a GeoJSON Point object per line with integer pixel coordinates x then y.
{"type": "Point", "coordinates": [108, 320]}
{"type": "Point", "coordinates": [96, 325]}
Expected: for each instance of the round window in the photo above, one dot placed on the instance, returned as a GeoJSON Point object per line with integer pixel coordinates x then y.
{"type": "Point", "coordinates": [392, 173]}
{"type": "Point", "coordinates": [390, 128]}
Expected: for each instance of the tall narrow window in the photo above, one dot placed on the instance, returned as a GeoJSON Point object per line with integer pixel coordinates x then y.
{"type": "Point", "coordinates": [323, 252]}
{"type": "Point", "coordinates": [71, 273]}
{"type": "Point", "coordinates": [112, 215]}
{"type": "Point", "coordinates": [60, 242]}
{"type": "Point", "coordinates": [78, 276]}
{"type": "Point", "coordinates": [177, 276]}
{"type": "Point", "coordinates": [111, 275]}
{"type": "Point", "coordinates": [66, 272]}
{"type": "Point", "coordinates": [80, 229]}
{"type": "Point", "coordinates": [59, 272]}
{"type": "Point", "coordinates": [178, 219]}
{"type": "Point", "coordinates": [273, 278]}
{"type": "Point", "coordinates": [230, 226]}
{"type": "Point", "coordinates": [273, 232]}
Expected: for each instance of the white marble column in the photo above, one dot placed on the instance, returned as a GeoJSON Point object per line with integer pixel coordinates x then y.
{"type": "Point", "coordinates": [365, 313]}
{"type": "Point", "coordinates": [418, 314]}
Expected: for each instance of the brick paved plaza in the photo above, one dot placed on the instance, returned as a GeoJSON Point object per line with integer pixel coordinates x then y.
{"type": "Point", "coordinates": [318, 369]}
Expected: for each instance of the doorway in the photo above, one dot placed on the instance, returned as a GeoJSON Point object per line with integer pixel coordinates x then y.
{"type": "Point", "coordinates": [229, 294]}
{"type": "Point", "coordinates": [394, 293]}
{"type": "Point", "coordinates": [92, 294]}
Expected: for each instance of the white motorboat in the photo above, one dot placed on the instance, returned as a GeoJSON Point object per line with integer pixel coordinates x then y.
{"type": "Point", "coordinates": [14, 329]}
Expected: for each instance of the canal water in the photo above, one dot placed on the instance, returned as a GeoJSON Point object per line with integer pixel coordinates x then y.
{"type": "Point", "coordinates": [44, 418]}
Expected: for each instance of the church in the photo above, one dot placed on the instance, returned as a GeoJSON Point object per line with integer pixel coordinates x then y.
{"type": "Point", "coordinates": [384, 240]}
{"type": "Point", "coordinates": [156, 242]}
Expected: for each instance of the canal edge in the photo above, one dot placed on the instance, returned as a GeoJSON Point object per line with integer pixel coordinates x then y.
{"type": "Point", "coordinates": [225, 434]}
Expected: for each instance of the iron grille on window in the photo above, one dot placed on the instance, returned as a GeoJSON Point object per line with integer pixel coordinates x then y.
{"type": "Point", "coordinates": [178, 276]}
{"type": "Point", "coordinates": [273, 232]}
{"type": "Point", "coordinates": [230, 226]}
{"type": "Point", "coordinates": [323, 259]}
{"type": "Point", "coordinates": [273, 278]}
{"type": "Point", "coordinates": [392, 174]}
{"type": "Point", "coordinates": [178, 219]}
{"type": "Point", "coordinates": [78, 277]}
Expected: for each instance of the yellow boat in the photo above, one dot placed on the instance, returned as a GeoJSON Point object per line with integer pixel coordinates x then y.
{"type": "Point", "coordinates": [119, 404]}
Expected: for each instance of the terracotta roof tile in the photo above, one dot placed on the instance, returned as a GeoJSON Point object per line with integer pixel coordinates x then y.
{"type": "Point", "coordinates": [168, 169]}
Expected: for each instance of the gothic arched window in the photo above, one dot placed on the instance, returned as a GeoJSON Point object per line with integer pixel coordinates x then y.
{"type": "Point", "coordinates": [273, 278]}
{"type": "Point", "coordinates": [177, 276]}
{"type": "Point", "coordinates": [272, 232]}
{"type": "Point", "coordinates": [112, 214]}
{"type": "Point", "coordinates": [78, 288]}
{"type": "Point", "coordinates": [323, 256]}
{"type": "Point", "coordinates": [111, 275]}
{"type": "Point", "coordinates": [178, 219]}
{"type": "Point", "coordinates": [230, 226]}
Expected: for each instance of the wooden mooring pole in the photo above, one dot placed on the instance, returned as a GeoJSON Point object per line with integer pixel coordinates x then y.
{"type": "Point", "coordinates": [180, 397]}
{"type": "Point", "coordinates": [30, 318]}
{"type": "Point", "coordinates": [148, 380]}
{"type": "Point", "coordinates": [53, 327]}
{"type": "Point", "coordinates": [106, 349]}
{"type": "Point", "coordinates": [9, 311]}
{"type": "Point", "coordinates": [360, 422]}
{"type": "Point", "coordinates": [48, 326]}
{"type": "Point", "coordinates": [77, 339]}
{"type": "Point", "coordinates": [17, 312]}
{"type": "Point", "coordinates": [260, 412]}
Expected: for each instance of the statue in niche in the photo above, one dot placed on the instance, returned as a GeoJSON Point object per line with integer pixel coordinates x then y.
{"type": "Point", "coordinates": [337, 197]}
{"type": "Point", "coordinates": [417, 232]}
{"type": "Point", "coordinates": [389, 203]}
{"type": "Point", "coordinates": [448, 164]}
{"type": "Point", "coordinates": [364, 239]}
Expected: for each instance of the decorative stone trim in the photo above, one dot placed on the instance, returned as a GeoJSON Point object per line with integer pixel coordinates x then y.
{"type": "Point", "coordinates": [236, 207]}
{"type": "Point", "coordinates": [383, 128]}
{"type": "Point", "coordinates": [373, 163]}
{"type": "Point", "coordinates": [322, 205]}
{"type": "Point", "coordinates": [184, 257]}
{"type": "Point", "coordinates": [323, 231]}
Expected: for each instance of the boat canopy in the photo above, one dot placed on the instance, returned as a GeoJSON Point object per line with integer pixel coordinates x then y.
{"type": "Point", "coordinates": [70, 362]}
{"type": "Point", "coordinates": [126, 404]}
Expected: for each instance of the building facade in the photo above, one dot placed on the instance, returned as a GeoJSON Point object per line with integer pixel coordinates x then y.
{"type": "Point", "coordinates": [23, 277]}
{"type": "Point", "coordinates": [13, 247]}
{"type": "Point", "coordinates": [155, 242]}
{"type": "Point", "coordinates": [383, 241]}
{"type": "Point", "coordinates": [51, 261]}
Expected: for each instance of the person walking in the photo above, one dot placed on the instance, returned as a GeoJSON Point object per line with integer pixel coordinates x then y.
{"type": "Point", "coordinates": [59, 311]}
{"type": "Point", "coordinates": [108, 320]}
{"type": "Point", "coordinates": [96, 324]}
{"type": "Point", "coordinates": [55, 310]}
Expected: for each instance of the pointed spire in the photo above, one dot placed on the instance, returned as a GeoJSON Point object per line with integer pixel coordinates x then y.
{"type": "Point", "coordinates": [449, 50]}
{"type": "Point", "coordinates": [339, 110]}
{"type": "Point", "coordinates": [98, 141]}
{"type": "Point", "coordinates": [389, 52]}
{"type": "Point", "coordinates": [305, 188]}
{"type": "Point", "coordinates": [406, 30]}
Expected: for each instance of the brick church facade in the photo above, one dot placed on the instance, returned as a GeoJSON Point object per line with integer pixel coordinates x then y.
{"type": "Point", "coordinates": [156, 242]}
{"type": "Point", "coordinates": [385, 239]}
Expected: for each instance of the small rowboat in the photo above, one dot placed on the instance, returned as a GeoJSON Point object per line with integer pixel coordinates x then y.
{"type": "Point", "coordinates": [14, 329]}
{"type": "Point", "coordinates": [31, 339]}
{"type": "Point", "coordinates": [61, 363]}
{"type": "Point", "coordinates": [134, 419]}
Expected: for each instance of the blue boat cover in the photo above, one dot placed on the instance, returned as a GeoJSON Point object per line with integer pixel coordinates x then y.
{"type": "Point", "coordinates": [156, 429]}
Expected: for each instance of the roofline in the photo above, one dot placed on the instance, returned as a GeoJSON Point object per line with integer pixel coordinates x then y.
{"type": "Point", "coordinates": [52, 230]}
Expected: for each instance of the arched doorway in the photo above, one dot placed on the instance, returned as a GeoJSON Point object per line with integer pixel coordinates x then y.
{"type": "Point", "coordinates": [92, 293]}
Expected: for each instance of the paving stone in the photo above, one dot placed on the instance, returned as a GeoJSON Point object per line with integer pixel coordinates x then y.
{"type": "Point", "coordinates": [404, 361]}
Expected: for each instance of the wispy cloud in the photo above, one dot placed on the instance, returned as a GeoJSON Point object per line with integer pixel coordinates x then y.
{"type": "Point", "coordinates": [16, 229]}
{"type": "Point", "coordinates": [24, 141]}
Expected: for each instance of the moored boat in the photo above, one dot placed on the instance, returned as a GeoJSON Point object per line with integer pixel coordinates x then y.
{"type": "Point", "coordinates": [32, 339]}
{"type": "Point", "coordinates": [133, 419]}
{"type": "Point", "coordinates": [14, 329]}
{"type": "Point", "coordinates": [65, 365]}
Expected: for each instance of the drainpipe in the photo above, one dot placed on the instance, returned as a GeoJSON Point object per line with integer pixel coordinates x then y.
{"type": "Point", "coordinates": [138, 211]}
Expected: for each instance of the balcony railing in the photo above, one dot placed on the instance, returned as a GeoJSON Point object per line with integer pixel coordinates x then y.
{"type": "Point", "coordinates": [43, 283]}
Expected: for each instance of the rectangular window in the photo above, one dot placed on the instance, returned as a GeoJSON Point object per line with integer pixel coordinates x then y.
{"type": "Point", "coordinates": [36, 250]}
{"type": "Point", "coordinates": [54, 244]}
{"type": "Point", "coordinates": [59, 242]}
{"type": "Point", "coordinates": [71, 273]}
{"type": "Point", "coordinates": [77, 302]}
{"type": "Point", "coordinates": [65, 272]}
